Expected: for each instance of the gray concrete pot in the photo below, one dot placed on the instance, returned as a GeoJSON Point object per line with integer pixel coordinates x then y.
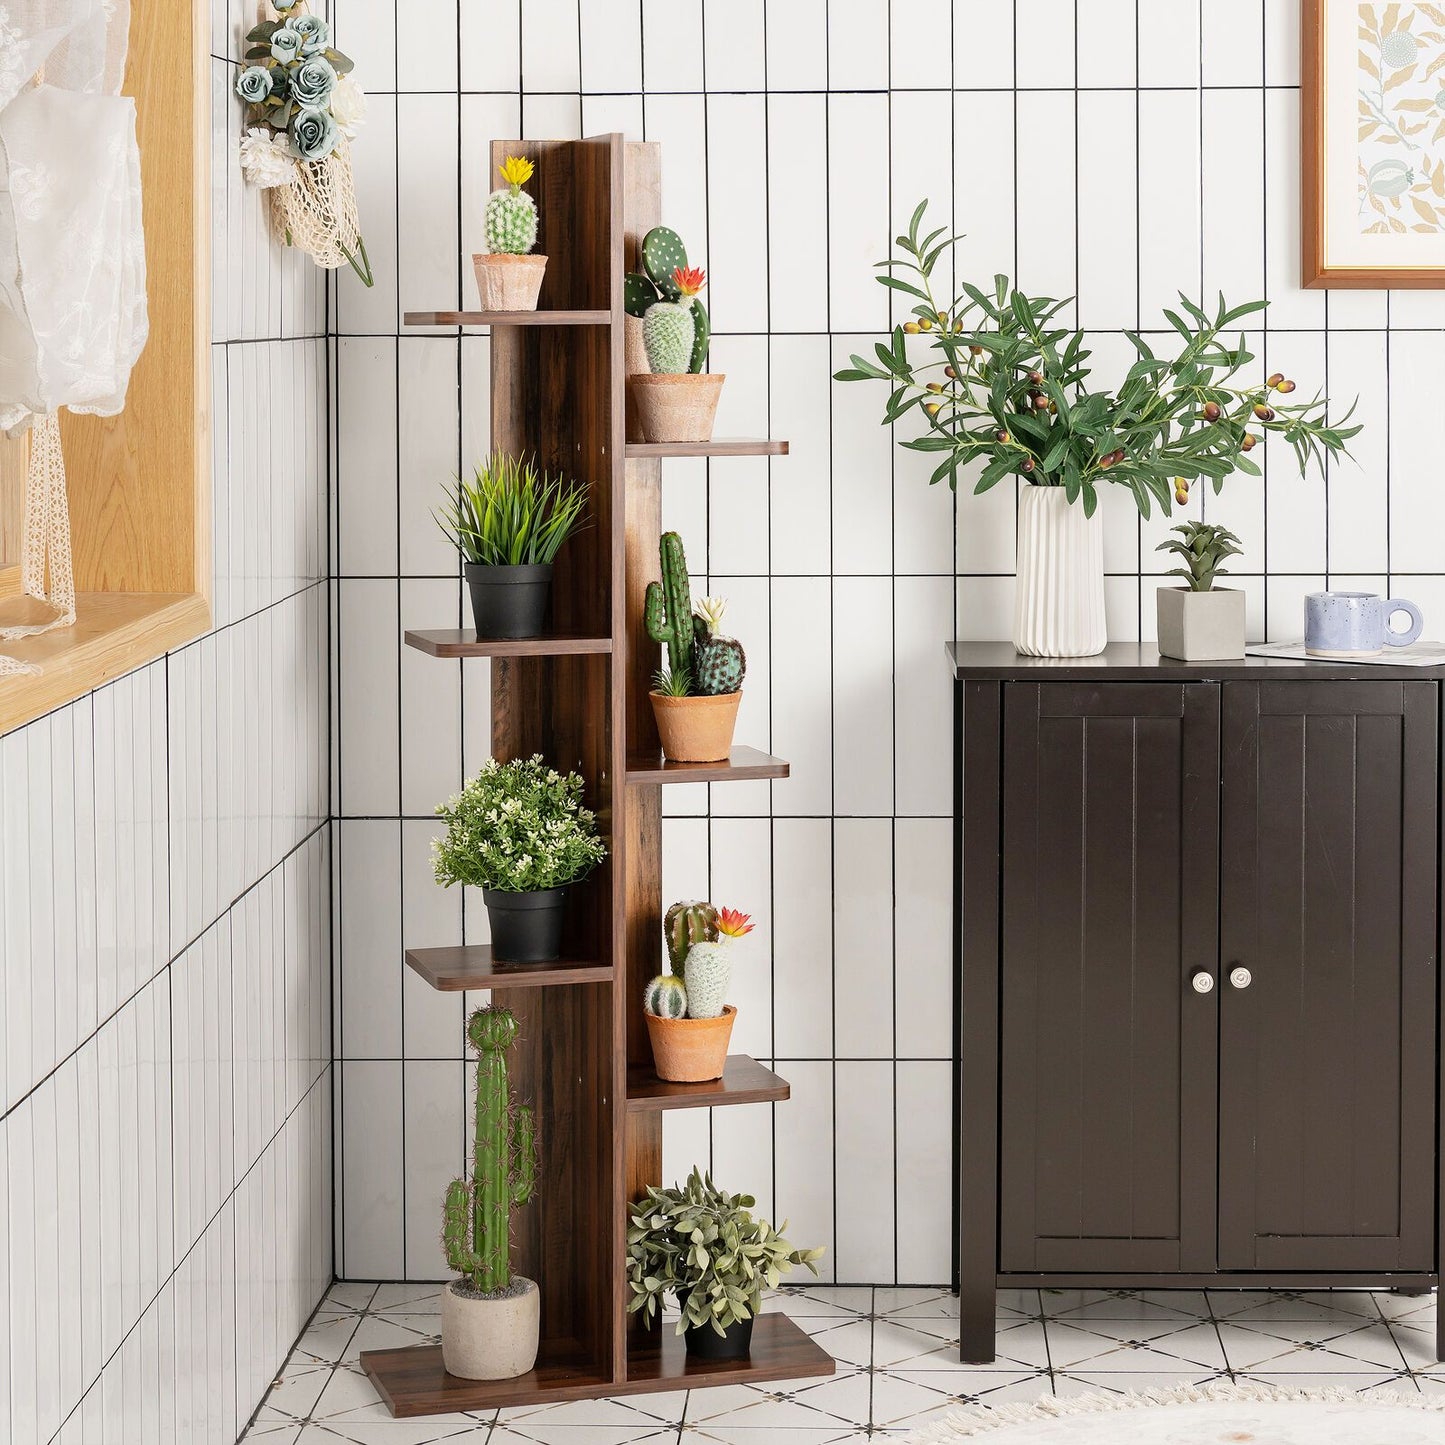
{"type": "Point", "coordinates": [1201, 626]}
{"type": "Point", "coordinates": [490, 1339]}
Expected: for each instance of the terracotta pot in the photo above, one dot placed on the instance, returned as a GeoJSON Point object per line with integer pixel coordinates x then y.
{"type": "Point", "coordinates": [696, 729]}
{"type": "Point", "coordinates": [676, 407]}
{"type": "Point", "coordinates": [691, 1051]}
{"type": "Point", "coordinates": [509, 283]}
{"type": "Point", "coordinates": [490, 1338]}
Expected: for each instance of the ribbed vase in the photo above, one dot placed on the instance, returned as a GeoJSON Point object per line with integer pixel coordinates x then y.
{"type": "Point", "coordinates": [1059, 605]}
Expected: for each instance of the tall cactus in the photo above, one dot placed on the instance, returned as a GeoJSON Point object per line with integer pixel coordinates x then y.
{"type": "Point", "coordinates": [477, 1213]}
{"type": "Point", "coordinates": [667, 606]}
{"type": "Point", "coordinates": [685, 924]}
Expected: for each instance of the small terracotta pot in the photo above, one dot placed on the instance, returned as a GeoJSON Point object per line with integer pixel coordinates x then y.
{"type": "Point", "coordinates": [509, 283]}
{"type": "Point", "coordinates": [676, 407]}
{"type": "Point", "coordinates": [696, 729]}
{"type": "Point", "coordinates": [691, 1051]}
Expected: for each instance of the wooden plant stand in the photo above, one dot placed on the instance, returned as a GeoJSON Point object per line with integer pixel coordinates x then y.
{"type": "Point", "coordinates": [579, 697]}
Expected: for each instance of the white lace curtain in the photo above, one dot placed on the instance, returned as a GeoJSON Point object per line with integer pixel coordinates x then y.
{"type": "Point", "coordinates": [72, 258]}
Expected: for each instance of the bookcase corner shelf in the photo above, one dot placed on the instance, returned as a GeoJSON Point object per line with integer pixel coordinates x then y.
{"type": "Point", "coordinates": [579, 697]}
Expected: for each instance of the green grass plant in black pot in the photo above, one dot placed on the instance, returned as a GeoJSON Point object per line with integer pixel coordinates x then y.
{"type": "Point", "coordinates": [509, 521]}
{"type": "Point", "coordinates": [707, 1247]}
{"type": "Point", "coordinates": [518, 831]}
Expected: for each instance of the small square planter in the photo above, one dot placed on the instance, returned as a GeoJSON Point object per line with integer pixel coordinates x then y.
{"type": "Point", "coordinates": [1201, 626]}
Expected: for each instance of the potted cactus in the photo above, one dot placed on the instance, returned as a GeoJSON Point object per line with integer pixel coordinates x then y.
{"type": "Point", "coordinates": [707, 1248]}
{"type": "Point", "coordinates": [695, 697]}
{"type": "Point", "coordinates": [508, 276]}
{"type": "Point", "coordinates": [674, 400]}
{"type": "Point", "coordinates": [1200, 622]}
{"type": "Point", "coordinates": [518, 831]}
{"type": "Point", "coordinates": [490, 1316]}
{"type": "Point", "coordinates": [689, 1019]}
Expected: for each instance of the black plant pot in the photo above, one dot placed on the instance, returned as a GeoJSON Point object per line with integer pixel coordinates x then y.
{"type": "Point", "coordinates": [526, 927]}
{"type": "Point", "coordinates": [733, 1344]}
{"type": "Point", "coordinates": [509, 601]}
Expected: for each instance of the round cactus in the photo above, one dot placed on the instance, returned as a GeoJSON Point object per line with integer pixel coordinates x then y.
{"type": "Point", "coordinates": [719, 663]}
{"type": "Point", "coordinates": [666, 997]}
{"type": "Point", "coordinates": [510, 219]}
{"type": "Point", "coordinates": [668, 330]}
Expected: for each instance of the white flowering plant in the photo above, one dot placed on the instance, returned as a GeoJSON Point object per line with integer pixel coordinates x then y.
{"type": "Point", "coordinates": [302, 109]}
{"type": "Point", "coordinates": [517, 827]}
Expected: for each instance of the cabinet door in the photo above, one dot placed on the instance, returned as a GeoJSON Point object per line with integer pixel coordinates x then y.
{"type": "Point", "coordinates": [1327, 1051]}
{"type": "Point", "coordinates": [1110, 851]}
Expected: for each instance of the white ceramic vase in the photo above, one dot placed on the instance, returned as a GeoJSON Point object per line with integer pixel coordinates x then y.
{"type": "Point", "coordinates": [1059, 602]}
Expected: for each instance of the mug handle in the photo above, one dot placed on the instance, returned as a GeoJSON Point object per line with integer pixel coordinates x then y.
{"type": "Point", "coordinates": [1411, 633]}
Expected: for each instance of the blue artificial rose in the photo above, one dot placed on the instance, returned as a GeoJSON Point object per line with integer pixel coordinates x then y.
{"type": "Point", "coordinates": [312, 82]}
{"type": "Point", "coordinates": [313, 133]}
{"type": "Point", "coordinates": [253, 84]}
{"type": "Point", "coordinates": [315, 33]}
{"type": "Point", "coordinates": [286, 44]}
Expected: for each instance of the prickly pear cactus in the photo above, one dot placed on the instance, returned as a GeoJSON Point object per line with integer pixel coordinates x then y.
{"type": "Point", "coordinates": [638, 293]}
{"type": "Point", "coordinates": [510, 218]}
{"type": "Point", "coordinates": [662, 254]}
{"type": "Point", "coordinates": [685, 924]}
{"type": "Point", "coordinates": [668, 331]}
{"type": "Point", "coordinates": [666, 997]}
{"type": "Point", "coordinates": [719, 663]}
{"type": "Point", "coordinates": [701, 334]}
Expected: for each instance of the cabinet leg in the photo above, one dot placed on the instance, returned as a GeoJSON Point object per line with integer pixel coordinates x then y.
{"type": "Point", "coordinates": [1439, 1329]}
{"type": "Point", "coordinates": [976, 1327]}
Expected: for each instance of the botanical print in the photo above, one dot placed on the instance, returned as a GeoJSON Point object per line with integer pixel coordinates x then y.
{"type": "Point", "coordinates": [1402, 119]}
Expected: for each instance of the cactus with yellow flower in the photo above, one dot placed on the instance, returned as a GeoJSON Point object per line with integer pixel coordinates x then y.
{"type": "Point", "coordinates": [509, 277]}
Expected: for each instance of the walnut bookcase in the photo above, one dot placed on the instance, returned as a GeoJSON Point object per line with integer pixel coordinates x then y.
{"type": "Point", "coordinates": [579, 697]}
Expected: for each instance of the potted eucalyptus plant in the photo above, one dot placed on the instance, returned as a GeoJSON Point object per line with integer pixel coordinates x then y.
{"type": "Point", "coordinates": [1200, 622]}
{"type": "Point", "coordinates": [708, 1248]}
{"type": "Point", "coordinates": [491, 1317]}
{"type": "Point", "coordinates": [1004, 390]}
{"type": "Point", "coordinates": [518, 831]}
{"type": "Point", "coordinates": [673, 398]}
{"type": "Point", "coordinates": [509, 521]}
{"type": "Point", "coordinates": [695, 698]}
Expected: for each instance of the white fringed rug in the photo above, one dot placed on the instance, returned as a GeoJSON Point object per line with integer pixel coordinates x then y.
{"type": "Point", "coordinates": [1221, 1414]}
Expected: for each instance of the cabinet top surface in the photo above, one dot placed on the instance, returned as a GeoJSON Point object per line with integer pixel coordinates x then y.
{"type": "Point", "coordinates": [1141, 662]}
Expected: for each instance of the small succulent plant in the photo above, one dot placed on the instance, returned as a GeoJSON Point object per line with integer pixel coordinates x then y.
{"type": "Point", "coordinates": [1201, 547]}
{"type": "Point", "coordinates": [664, 296]}
{"type": "Point", "coordinates": [708, 968]}
{"type": "Point", "coordinates": [511, 214]}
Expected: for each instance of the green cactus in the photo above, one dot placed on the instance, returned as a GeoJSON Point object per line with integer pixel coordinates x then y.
{"type": "Point", "coordinates": [701, 334]}
{"type": "Point", "coordinates": [477, 1213]}
{"type": "Point", "coordinates": [510, 218]}
{"type": "Point", "coordinates": [666, 997]}
{"type": "Point", "coordinates": [719, 663]}
{"type": "Point", "coordinates": [685, 924]}
{"type": "Point", "coordinates": [638, 293]}
{"type": "Point", "coordinates": [667, 605]}
{"type": "Point", "coordinates": [662, 254]}
{"type": "Point", "coordinates": [668, 331]}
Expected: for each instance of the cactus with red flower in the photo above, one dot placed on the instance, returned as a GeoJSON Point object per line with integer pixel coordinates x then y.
{"type": "Point", "coordinates": [676, 329]}
{"type": "Point", "coordinates": [708, 967]}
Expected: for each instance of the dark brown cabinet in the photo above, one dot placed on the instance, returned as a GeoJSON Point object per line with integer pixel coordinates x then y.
{"type": "Point", "coordinates": [1197, 948]}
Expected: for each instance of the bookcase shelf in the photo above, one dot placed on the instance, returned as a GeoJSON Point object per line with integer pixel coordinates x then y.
{"type": "Point", "coordinates": [579, 697]}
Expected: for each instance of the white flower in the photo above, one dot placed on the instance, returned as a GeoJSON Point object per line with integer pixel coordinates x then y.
{"type": "Point", "coordinates": [348, 105]}
{"type": "Point", "coordinates": [266, 158]}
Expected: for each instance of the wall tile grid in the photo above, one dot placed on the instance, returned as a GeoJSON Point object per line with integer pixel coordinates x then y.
{"type": "Point", "coordinates": [1115, 150]}
{"type": "Point", "coordinates": [165, 945]}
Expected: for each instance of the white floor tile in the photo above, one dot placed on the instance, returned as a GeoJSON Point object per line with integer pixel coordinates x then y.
{"type": "Point", "coordinates": [1124, 1304]}
{"type": "Point", "coordinates": [1135, 1346]}
{"type": "Point", "coordinates": [1312, 1346]}
{"type": "Point", "coordinates": [906, 1399]}
{"type": "Point", "coordinates": [809, 1404]}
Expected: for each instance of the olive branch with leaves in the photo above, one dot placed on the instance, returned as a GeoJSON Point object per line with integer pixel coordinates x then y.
{"type": "Point", "coordinates": [1009, 387]}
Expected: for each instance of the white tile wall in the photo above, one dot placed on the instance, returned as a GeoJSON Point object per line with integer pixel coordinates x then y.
{"type": "Point", "coordinates": [165, 938]}
{"type": "Point", "coordinates": [1113, 149]}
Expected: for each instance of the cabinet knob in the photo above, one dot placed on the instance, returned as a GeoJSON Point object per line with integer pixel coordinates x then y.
{"type": "Point", "coordinates": [1203, 981]}
{"type": "Point", "coordinates": [1241, 977]}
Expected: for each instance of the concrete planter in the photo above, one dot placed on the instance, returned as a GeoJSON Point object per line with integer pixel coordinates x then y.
{"type": "Point", "coordinates": [490, 1339]}
{"type": "Point", "coordinates": [509, 283]}
{"type": "Point", "coordinates": [1201, 626]}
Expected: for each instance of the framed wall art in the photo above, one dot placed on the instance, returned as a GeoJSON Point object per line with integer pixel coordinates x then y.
{"type": "Point", "coordinates": [1372, 128]}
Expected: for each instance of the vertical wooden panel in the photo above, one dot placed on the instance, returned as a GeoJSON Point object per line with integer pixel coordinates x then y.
{"type": "Point", "coordinates": [1109, 834]}
{"type": "Point", "coordinates": [13, 454]}
{"type": "Point", "coordinates": [1327, 1058]}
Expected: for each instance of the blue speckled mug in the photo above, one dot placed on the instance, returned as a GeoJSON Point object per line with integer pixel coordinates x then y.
{"type": "Point", "coordinates": [1356, 624]}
